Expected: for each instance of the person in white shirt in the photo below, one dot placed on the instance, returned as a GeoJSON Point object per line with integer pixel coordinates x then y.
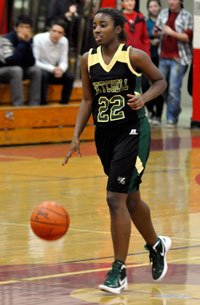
{"type": "Point", "coordinates": [51, 54]}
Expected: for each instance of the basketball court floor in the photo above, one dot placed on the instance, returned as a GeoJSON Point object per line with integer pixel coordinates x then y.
{"type": "Point", "coordinates": [68, 271]}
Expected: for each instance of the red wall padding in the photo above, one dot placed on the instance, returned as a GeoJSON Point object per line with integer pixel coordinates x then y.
{"type": "Point", "coordinates": [196, 85]}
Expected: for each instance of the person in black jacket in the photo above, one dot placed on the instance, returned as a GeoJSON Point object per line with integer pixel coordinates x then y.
{"type": "Point", "coordinates": [19, 63]}
{"type": "Point", "coordinates": [70, 11]}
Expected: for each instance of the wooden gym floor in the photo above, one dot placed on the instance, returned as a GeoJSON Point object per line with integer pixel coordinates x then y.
{"type": "Point", "coordinates": [68, 271]}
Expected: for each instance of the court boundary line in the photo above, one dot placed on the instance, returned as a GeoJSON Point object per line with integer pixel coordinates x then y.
{"type": "Point", "coordinates": [65, 274]}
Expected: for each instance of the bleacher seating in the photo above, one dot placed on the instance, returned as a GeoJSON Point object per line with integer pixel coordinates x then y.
{"type": "Point", "coordinates": [51, 123]}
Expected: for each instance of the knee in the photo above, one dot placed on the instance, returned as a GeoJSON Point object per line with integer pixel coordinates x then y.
{"type": "Point", "coordinates": [35, 71]}
{"type": "Point", "coordinates": [113, 202]}
{"type": "Point", "coordinates": [132, 204]}
{"type": "Point", "coordinates": [16, 72]}
{"type": "Point", "coordinates": [69, 76]}
{"type": "Point", "coordinates": [45, 74]}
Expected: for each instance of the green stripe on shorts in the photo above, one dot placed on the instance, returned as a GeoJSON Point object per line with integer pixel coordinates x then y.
{"type": "Point", "coordinates": [143, 153]}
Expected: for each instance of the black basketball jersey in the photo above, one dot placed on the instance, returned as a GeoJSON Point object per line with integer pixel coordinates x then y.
{"type": "Point", "coordinates": [110, 85]}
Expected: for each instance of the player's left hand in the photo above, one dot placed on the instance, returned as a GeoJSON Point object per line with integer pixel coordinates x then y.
{"type": "Point", "coordinates": [135, 101]}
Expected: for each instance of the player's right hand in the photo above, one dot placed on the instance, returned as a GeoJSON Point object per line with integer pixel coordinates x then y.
{"type": "Point", "coordinates": [74, 147]}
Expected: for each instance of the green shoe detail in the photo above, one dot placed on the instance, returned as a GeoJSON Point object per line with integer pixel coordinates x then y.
{"type": "Point", "coordinates": [116, 279]}
{"type": "Point", "coordinates": [157, 256]}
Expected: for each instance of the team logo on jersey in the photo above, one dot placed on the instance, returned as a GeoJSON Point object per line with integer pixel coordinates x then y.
{"type": "Point", "coordinates": [133, 132]}
{"type": "Point", "coordinates": [121, 180]}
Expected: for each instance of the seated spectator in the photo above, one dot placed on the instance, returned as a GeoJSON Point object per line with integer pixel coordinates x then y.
{"type": "Point", "coordinates": [18, 63]}
{"type": "Point", "coordinates": [51, 54]}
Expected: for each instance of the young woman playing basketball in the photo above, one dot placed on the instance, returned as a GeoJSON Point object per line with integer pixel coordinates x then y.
{"type": "Point", "coordinates": [111, 76]}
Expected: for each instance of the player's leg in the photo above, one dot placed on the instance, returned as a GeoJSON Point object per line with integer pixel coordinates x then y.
{"type": "Point", "coordinates": [140, 215]}
{"type": "Point", "coordinates": [117, 190]}
{"type": "Point", "coordinates": [120, 224]}
{"type": "Point", "coordinates": [140, 212]}
{"type": "Point", "coordinates": [158, 246]}
{"type": "Point", "coordinates": [119, 170]}
{"type": "Point", "coordinates": [116, 279]}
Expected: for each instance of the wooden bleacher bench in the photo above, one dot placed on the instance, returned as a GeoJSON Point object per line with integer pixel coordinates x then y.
{"type": "Point", "coordinates": [51, 123]}
{"type": "Point", "coordinates": [54, 93]}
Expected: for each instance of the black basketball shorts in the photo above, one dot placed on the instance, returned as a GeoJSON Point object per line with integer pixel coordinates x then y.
{"type": "Point", "coordinates": [124, 151]}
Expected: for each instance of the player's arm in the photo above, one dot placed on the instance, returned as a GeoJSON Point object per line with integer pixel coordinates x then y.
{"type": "Point", "coordinates": [142, 62]}
{"type": "Point", "coordinates": [86, 103]}
{"type": "Point", "coordinates": [84, 111]}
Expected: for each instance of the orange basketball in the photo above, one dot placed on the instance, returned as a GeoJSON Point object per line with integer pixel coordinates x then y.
{"type": "Point", "coordinates": [49, 220]}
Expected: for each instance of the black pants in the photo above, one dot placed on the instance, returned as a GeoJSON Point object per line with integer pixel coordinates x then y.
{"type": "Point", "coordinates": [66, 80]}
{"type": "Point", "coordinates": [155, 106]}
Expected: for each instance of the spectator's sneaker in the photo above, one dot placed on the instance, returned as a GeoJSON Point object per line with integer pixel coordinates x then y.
{"type": "Point", "coordinates": [116, 279]}
{"type": "Point", "coordinates": [171, 125]}
{"type": "Point", "coordinates": [156, 122]}
{"type": "Point", "coordinates": [157, 256]}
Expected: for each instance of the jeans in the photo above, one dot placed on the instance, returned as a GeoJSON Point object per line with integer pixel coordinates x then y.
{"type": "Point", "coordinates": [174, 72]}
{"type": "Point", "coordinates": [15, 75]}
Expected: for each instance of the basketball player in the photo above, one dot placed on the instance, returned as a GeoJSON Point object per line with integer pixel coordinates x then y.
{"type": "Point", "coordinates": [111, 76]}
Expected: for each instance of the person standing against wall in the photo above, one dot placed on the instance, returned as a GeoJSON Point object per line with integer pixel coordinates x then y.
{"type": "Point", "coordinates": [174, 26]}
{"type": "Point", "coordinates": [135, 27]}
{"type": "Point", "coordinates": [155, 107]}
{"type": "Point", "coordinates": [137, 37]}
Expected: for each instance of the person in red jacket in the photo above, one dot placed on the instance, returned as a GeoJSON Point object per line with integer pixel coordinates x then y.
{"type": "Point", "coordinates": [137, 35]}
{"type": "Point", "coordinates": [108, 3]}
{"type": "Point", "coordinates": [135, 27]}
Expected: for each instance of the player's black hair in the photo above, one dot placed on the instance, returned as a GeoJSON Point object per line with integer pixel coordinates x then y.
{"type": "Point", "coordinates": [117, 17]}
{"type": "Point", "coordinates": [24, 19]}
